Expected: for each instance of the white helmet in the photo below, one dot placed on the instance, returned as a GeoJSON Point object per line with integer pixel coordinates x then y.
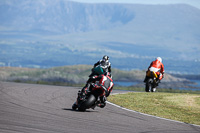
{"type": "Point", "coordinates": [159, 58]}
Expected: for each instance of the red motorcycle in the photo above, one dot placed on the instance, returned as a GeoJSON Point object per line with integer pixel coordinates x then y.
{"type": "Point", "coordinates": [90, 99]}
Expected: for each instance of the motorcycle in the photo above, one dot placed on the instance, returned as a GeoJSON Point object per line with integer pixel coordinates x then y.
{"type": "Point", "coordinates": [91, 99]}
{"type": "Point", "coordinates": [151, 81]}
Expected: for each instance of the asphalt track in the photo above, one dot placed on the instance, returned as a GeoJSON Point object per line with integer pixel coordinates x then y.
{"type": "Point", "coordinates": [29, 108]}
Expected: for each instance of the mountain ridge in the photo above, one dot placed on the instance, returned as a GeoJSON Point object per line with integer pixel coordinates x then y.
{"type": "Point", "coordinates": [85, 32]}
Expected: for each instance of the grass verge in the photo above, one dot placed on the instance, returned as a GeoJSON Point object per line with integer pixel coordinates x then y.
{"type": "Point", "coordinates": [169, 90]}
{"type": "Point", "coordinates": [183, 107]}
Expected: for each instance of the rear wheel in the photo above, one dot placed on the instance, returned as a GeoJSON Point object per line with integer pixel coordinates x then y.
{"type": "Point", "coordinates": [149, 85]}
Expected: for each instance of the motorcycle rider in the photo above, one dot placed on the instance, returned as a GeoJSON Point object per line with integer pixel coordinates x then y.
{"type": "Point", "coordinates": [158, 67]}
{"type": "Point", "coordinates": [104, 64]}
{"type": "Point", "coordinates": [103, 80]}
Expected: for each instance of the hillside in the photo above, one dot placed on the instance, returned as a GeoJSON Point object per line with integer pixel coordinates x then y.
{"type": "Point", "coordinates": [78, 74]}
{"type": "Point", "coordinates": [56, 33]}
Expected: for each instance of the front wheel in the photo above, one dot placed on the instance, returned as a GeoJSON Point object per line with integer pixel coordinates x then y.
{"type": "Point", "coordinates": [74, 106]}
{"type": "Point", "coordinates": [88, 103]}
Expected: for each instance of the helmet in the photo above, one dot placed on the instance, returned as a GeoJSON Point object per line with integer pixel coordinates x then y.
{"type": "Point", "coordinates": [159, 58]}
{"type": "Point", "coordinates": [105, 57]}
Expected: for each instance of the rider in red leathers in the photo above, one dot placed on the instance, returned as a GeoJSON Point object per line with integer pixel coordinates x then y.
{"type": "Point", "coordinates": [158, 67]}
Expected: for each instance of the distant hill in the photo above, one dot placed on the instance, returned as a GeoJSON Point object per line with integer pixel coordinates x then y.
{"type": "Point", "coordinates": [47, 33]}
{"type": "Point", "coordinates": [78, 74]}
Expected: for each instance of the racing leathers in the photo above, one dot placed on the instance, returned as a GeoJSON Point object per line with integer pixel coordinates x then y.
{"type": "Point", "coordinates": [105, 64]}
{"type": "Point", "coordinates": [157, 67]}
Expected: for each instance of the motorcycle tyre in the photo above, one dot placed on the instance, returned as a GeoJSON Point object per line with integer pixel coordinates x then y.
{"type": "Point", "coordinates": [149, 85]}
{"type": "Point", "coordinates": [88, 103]}
{"type": "Point", "coordinates": [74, 106]}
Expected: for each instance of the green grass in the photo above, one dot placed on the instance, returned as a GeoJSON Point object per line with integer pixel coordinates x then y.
{"type": "Point", "coordinates": [183, 107]}
{"type": "Point", "coordinates": [168, 90]}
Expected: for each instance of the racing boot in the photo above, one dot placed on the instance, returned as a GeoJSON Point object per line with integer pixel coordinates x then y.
{"type": "Point", "coordinates": [102, 103]}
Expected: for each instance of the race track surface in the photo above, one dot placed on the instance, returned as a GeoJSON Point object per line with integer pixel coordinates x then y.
{"type": "Point", "coordinates": [29, 108]}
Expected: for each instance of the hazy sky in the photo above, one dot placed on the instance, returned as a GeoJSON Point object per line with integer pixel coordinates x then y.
{"type": "Point", "coordinates": [195, 3]}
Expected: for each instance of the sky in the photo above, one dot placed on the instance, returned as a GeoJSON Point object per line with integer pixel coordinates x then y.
{"type": "Point", "coordinates": [195, 3]}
